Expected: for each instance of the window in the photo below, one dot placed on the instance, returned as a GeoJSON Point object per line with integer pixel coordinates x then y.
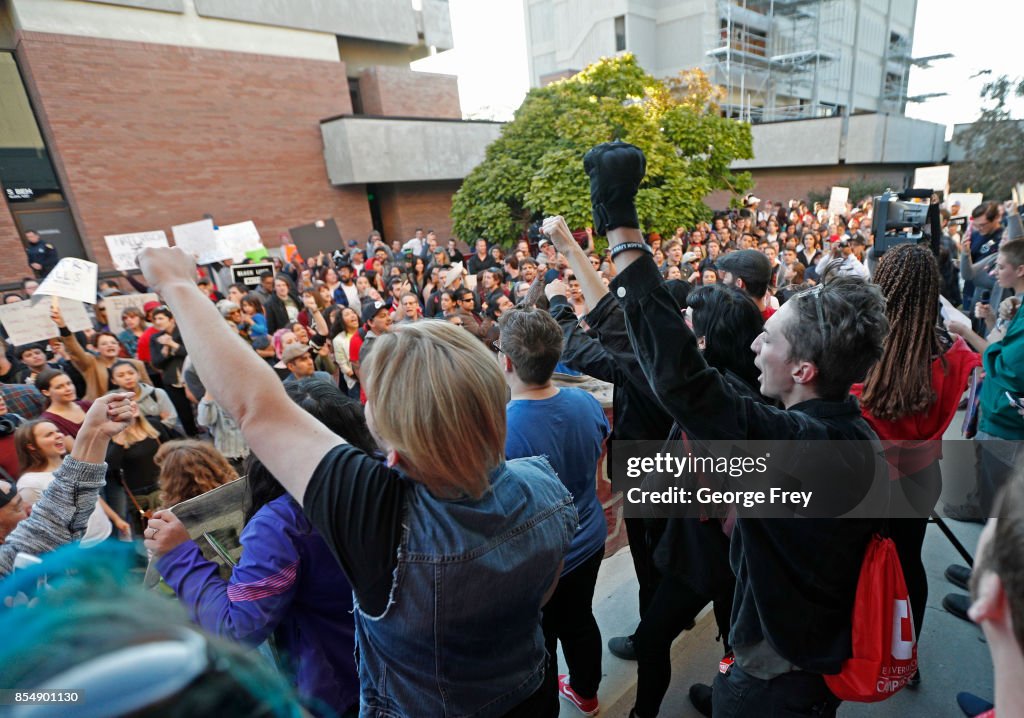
{"type": "Point", "coordinates": [355, 95]}
{"type": "Point", "coordinates": [620, 33]}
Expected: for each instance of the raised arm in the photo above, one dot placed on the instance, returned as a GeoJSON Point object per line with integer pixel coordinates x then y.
{"type": "Point", "coordinates": [62, 513]}
{"type": "Point", "coordinates": [82, 360]}
{"type": "Point", "coordinates": [287, 439]}
{"type": "Point", "coordinates": [589, 278]}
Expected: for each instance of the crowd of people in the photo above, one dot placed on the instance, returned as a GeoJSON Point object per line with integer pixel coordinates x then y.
{"type": "Point", "coordinates": [420, 493]}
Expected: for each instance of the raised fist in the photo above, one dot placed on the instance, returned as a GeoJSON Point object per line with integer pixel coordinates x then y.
{"type": "Point", "coordinates": [615, 170]}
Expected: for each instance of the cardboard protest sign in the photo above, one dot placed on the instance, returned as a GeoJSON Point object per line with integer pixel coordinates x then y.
{"type": "Point", "coordinates": [968, 201]}
{"type": "Point", "coordinates": [837, 201]}
{"type": "Point", "coordinates": [28, 322]}
{"type": "Point", "coordinates": [200, 240]}
{"type": "Point", "coordinates": [125, 248]}
{"type": "Point", "coordinates": [933, 178]}
{"type": "Point", "coordinates": [1017, 192]}
{"type": "Point", "coordinates": [118, 303]}
{"type": "Point", "coordinates": [214, 521]}
{"type": "Point", "coordinates": [321, 236]}
{"type": "Point", "coordinates": [249, 274]}
{"type": "Point", "coordinates": [72, 278]}
{"type": "Point", "coordinates": [238, 239]}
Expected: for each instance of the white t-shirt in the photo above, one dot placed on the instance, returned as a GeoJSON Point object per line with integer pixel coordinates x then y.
{"type": "Point", "coordinates": [31, 486]}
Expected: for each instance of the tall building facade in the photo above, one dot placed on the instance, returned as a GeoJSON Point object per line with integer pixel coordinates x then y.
{"type": "Point", "coordinates": [133, 115]}
{"type": "Point", "coordinates": [777, 59]}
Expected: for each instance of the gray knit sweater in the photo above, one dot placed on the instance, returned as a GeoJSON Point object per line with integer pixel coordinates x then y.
{"type": "Point", "coordinates": [61, 514]}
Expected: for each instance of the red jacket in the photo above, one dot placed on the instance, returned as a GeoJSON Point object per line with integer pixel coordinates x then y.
{"type": "Point", "coordinates": [915, 432]}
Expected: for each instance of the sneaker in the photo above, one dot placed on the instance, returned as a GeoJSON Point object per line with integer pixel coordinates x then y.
{"type": "Point", "coordinates": [622, 647]}
{"type": "Point", "coordinates": [959, 576]}
{"type": "Point", "coordinates": [972, 705]}
{"type": "Point", "coordinates": [586, 706]}
{"type": "Point", "coordinates": [914, 682]}
{"type": "Point", "coordinates": [957, 604]}
{"type": "Point", "coordinates": [700, 696]}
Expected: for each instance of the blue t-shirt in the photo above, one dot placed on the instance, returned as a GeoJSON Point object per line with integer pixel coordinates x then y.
{"type": "Point", "coordinates": [569, 429]}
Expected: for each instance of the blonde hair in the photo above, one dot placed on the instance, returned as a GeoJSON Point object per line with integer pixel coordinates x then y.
{"type": "Point", "coordinates": [427, 375]}
{"type": "Point", "coordinates": [138, 430]}
{"type": "Point", "coordinates": [189, 468]}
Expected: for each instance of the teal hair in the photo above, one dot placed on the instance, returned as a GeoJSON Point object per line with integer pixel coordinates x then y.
{"type": "Point", "coordinates": [80, 606]}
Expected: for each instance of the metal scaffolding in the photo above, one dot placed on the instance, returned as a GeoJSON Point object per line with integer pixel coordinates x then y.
{"type": "Point", "coordinates": [779, 59]}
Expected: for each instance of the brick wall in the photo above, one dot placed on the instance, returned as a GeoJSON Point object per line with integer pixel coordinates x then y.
{"type": "Point", "coordinates": [398, 92]}
{"type": "Point", "coordinates": [15, 264]}
{"type": "Point", "coordinates": [409, 205]}
{"type": "Point", "coordinates": [146, 136]}
{"type": "Point", "coordinates": [780, 185]}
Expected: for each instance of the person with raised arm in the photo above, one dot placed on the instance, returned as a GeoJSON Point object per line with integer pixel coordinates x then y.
{"type": "Point", "coordinates": [795, 578]}
{"type": "Point", "coordinates": [442, 627]}
{"type": "Point", "coordinates": [62, 513]}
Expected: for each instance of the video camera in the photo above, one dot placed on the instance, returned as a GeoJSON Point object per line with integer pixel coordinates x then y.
{"type": "Point", "coordinates": [903, 218]}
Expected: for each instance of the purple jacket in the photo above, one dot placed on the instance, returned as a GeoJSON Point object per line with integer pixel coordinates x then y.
{"type": "Point", "coordinates": [287, 583]}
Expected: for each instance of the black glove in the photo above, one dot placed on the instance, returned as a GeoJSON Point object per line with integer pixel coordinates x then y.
{"type": "Point", "coordinates": [615, 170]}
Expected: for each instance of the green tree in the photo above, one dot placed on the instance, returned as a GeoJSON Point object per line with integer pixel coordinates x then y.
{"type": "Point", "coordinates": [535, 167]}
{"type": "Point", "coordinates": [993, 144]}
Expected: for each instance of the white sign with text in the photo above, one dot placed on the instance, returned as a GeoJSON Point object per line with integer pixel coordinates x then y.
{"type": "Point", "coordinates": [28, 322]}
{"type": "Point", "coordinates": [72, 278]}
{"type": "Point", "coordinates": [125, 248]}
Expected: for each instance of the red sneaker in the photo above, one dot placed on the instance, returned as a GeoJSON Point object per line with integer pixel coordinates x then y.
{"type": "Point", "coordinates": [586, 706]}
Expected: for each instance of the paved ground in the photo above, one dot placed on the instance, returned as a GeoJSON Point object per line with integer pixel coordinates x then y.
{"type": "Point", "coordinates": [952, 653]}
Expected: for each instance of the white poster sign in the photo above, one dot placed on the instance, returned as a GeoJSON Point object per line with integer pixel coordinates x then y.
{"type": "Point", "coordinates": [125, 248]}
{"type": "Point", "coordinates": [119, 302]}
{"type": "Point", "coordinates": [28, 322]}
{"type": "Point", "coordinates": [837, 202]}
{"type": "Point", "coordinates": [72, 278]}
{"type": "Point", "coordinates": [200, 240]}
{"type": "Point", "coordinates": [238, 239]}
{"type": "Point", "coordinates": [968, 201]}
{"type": "Point", "coordinates": [933, 178]}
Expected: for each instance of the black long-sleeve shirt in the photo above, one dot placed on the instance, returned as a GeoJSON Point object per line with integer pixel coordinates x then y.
{"type": "Point", "coordinates": [796, 579]}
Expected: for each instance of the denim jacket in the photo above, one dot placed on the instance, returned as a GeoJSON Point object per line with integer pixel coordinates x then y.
{"type": "Point", "coordinates": [461, 635]}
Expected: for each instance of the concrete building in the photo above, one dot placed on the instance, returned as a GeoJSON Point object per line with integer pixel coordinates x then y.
{"type": "Point", "coordinates": [777, 59]}
{"type": "Point", "coordinates": [134, 115]}
{"type": "Point", "coordinates": [824, 82]}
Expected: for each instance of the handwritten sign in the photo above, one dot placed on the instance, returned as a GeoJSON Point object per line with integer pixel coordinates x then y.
{"type": "Point", "coordinates": [200, 240]}
{"type": "Point", "coordinates": [119, 302]}
{"type": "Point", "coordinates": [249, 274]}
{"type": "Point", "coordinates": [125, 248]}
{"type": "Point", "coordinates": [72, 278]}
{"type": "Point", "coordinates": [239, 239]}
{"type": "Point", "coordinates": [28, 322]}
{"type": "Point", "coordinates": [837, 201]}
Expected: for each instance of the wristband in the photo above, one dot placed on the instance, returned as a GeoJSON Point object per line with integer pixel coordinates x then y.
{"type": "Point", "coordinates": [64, 331]}
{"type": "Point", "coordinates": [627, 246]}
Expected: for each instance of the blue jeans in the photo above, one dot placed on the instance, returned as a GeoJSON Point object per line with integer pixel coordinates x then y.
{"type": "Point", "coordinates": [738, 694]}
{"type": "Point", "coordinates": [996, 460]}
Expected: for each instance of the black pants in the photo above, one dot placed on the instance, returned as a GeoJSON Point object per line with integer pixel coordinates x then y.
{"type": "Point", "coordinates": [184, 408]}
{"type": "Point", "coordinates": [643, 536]}
{"type": "Point", "coordinates": [673, 608]}
{"type": "Point", "coordinates": [908, 535]}
{"type": "Point", "coordinates": [569, 618]}
{"type": "Point", "coordinates": [738, 694]}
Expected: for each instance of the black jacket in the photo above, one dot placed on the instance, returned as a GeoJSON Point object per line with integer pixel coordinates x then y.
{"type": "Point", "coordinates": [169, 365]}
{"type": "Point", "coordinates": [606, 354]}
{"type": "Point", "coordinates": [277, 313]}
{"type": "Point", "coordinates": [796, 579]}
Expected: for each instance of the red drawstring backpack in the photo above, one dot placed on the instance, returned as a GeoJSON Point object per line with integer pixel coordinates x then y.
{"type": "Point", "coordinates": [884, 635]}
